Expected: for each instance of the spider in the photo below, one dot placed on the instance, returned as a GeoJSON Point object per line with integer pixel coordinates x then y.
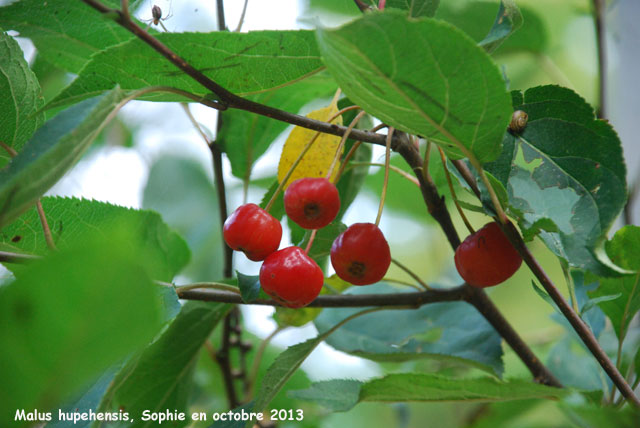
{"type": "Point", "coordinates": [156, 17]}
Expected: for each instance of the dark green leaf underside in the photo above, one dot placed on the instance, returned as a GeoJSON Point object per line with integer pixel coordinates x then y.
{"type": "Point", "coordinates": [52, 150]}
{"type": "Point", "coordinates": [452, 332]}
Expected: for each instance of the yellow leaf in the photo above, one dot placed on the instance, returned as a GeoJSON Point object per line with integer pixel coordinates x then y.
{"type": "Point", "coordinates": [317, 161]}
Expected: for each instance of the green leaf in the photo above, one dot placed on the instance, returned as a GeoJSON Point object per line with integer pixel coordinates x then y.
{"type": "Point", "coordinates": [337, 395]}
{"type": "Point", "coordinates": [245, 136]}
{"type": "Point", "coordinates": [88, 401]}
{"type": "Point", "coordinates": [68, 318]}
{"type": "Point", "coordinates": [341, 7]}
{"type": "Point", "coordinates": [277, 209]}
{"type": "Point", "coordinates": [229, 59]}
{"type": "Point", "coordinates": [65, 32]}
{"type": "Point", "coordinates": [52, 150]}
{"type": "Point", "coordinates": [636, 363]}
{"type": "Point", "coordinates": [290, 317]}
{"type": "Point", "coordinates": [341, 395]}
{"type": "Point", "coordinates": [18, 120]}
{"type": "Point", "coordinates": [594, 416]}
{"type": "Point", "coordinates": [452, 332]}
{"type": "Point", "coordinates": [289, 361]}
{"type": "Point", "coordinates": [73, 220]}
{"type": "Point", "coordinates": [475, 18]}
{"type": "Point", "coordinates": [429, 387]}
{"type": "Point", "coordinates": [589, 310]}
{"type": "Point", "coordinates": [441, 85]}
{"type": "Point", "coordinates": [323, 241]}
{"type": "Point", "coordinates": [249, 287]}
{"type": "Point", "coordinates": [282, 369]}
{"type": "Point", "coordinates": [183, 193]}
{"type": "Point", "coordinates": [622, 249]}
{"type": "Point", "coordinates": [567, 167]}
{"type": "Point", "coordinates": [507, 21]}
{"type": "Point", "coordinates": [160, 377]}
{"type": "Point", "coordinates": [574, 366]}
{"type": "Point", "coordinates": [415, 8]}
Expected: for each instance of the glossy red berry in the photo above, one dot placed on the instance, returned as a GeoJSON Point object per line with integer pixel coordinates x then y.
{"type": "Point", "coordinates": [361, 255]}
{"type": "Point", "coordinates": [291, 277]}
{"type": "Point", "coordinates": [253, 231]}
{"type": "Point", "coordinates": [312, 202]}
{"type": "Point", "coordinates": [487, 257]}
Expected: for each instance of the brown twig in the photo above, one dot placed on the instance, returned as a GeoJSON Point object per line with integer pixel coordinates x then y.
{"type": "Point", "coordinates": [362, 6]}
{"type": "Point", "coordinates": [48, 237]}
{"type": "Point", "coordinates": [224, 361]}
{"type": "Point", "coordinates": [466, 173]}
{"type": "Point", "coordinates": [599, 12]}
{"type": "Point", "coordinates": [412, 300]}
{"type": "Point", "coordinates": [8, 257]}
{"type": "Point", "coordinates": [576, 322]}
{"type": "Point", "coordinates": [483, 304]}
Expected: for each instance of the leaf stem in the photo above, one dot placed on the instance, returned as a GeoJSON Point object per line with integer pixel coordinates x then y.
{"type": "Point", "coordinates": [411, 274]}
{"type": "Point", "coordinates": [311, 239]}
{"type": "Point", "coordinates": [453, 192]}
{"type": "Point", "coordinates": [48, 237]}
{"type": "Point", "coordinates": [207, 285]}
{"type": "Point", "coordinates": [242, 15]}
{"type": "Point", "coordinates": [257, 359]}
{"type": "Point", "coordinates": [8, 257]}
{"type": "Point", "coordinates": [346, 159]}
{"type": "Point", "coordinates": [401, 282]}
{"type": "Point", "coordinates": [391, 167]}
{"type": "Point", "coordinates": [425, 164]}
{"type": "Point", "coordinates": [340, 148]}
{"type": "Point", "coordinates": [387, 160]}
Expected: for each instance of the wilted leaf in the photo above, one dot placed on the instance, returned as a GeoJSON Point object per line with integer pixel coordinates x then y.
{"type": "Point", "coordinates": [317, 161]}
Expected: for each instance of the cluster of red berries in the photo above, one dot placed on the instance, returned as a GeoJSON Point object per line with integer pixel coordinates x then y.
{"type": "Point", "coordinates": [360, 255]}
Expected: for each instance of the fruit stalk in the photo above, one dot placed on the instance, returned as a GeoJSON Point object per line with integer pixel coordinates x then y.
{"type": "Point", "coordinates": [387, 159]}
